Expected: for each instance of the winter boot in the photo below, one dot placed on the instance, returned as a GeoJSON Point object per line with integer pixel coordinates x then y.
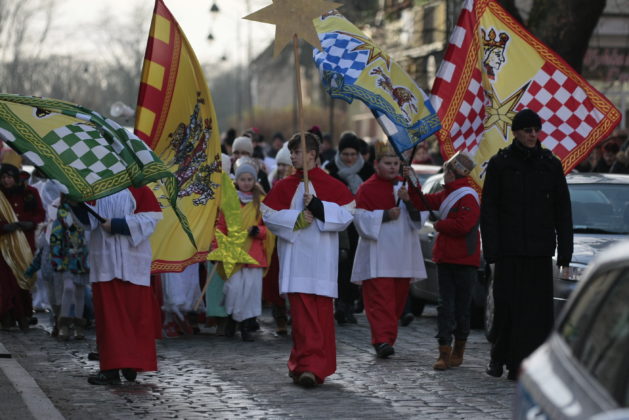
{"type": "Point", "coordinates": [63, 324]}
{"type": "Point", "coordinates": [245, 330]}
{"type": "Point", "coordinates": [79, 328]}
{"type": "Point", "coordinates": [456, 358]}
{"type": "Point", "coordinates": [444, 358]}
{"type": "Point", "coordinates": [230, 327]}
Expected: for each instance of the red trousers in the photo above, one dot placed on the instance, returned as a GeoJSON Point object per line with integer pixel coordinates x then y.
{"type": "Point", "coordinates": [384, 300]}
{"type": "Point", "coordinates": [127, 325]}
{"type": "Point", "coordinates": [314, 339]}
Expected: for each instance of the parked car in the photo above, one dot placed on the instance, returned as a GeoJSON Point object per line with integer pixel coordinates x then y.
{"type": "Point", "coordinates": [600, 214]}
{"type": "Point", "coordinates": [582, 370]}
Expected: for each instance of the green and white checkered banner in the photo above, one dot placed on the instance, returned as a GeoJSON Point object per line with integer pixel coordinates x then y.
{"type": "Point", "coordinates": [93, 156]}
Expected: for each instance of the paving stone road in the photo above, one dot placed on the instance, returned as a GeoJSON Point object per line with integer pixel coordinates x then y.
{"type": "Point", "coordinates": [205, 376]}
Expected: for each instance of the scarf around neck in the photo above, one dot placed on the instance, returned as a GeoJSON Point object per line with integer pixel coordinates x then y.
{"type": "Point", "coordinates": [349, 174]}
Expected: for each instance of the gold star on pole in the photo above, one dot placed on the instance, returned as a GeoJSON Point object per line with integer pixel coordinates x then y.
{"type": "Point", "coordinates": [293, 17]}
{"type": "Point", "coordinates": [500, 114]}
{"type": "Point", "coordinates": [230, 251]}
{"type": "Point", "coordinates": [374, 51]}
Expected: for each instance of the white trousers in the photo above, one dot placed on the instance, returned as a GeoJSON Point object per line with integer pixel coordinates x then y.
{"type": "Point", "coordinates": [243, 294]}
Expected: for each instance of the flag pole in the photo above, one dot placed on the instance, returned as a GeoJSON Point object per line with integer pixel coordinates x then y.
{"type": "Point", "coordinates": [300, 109]}
{"type": "Point", "coordinates": [208, 279]}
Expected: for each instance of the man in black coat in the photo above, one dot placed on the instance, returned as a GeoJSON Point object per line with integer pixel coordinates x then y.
{"type": "Point", "coordinates": [525, 214]}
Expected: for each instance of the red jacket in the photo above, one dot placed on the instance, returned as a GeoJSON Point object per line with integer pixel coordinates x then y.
{"type": "Point", "coordinates": [256, 251]}
{"type": "Point", "coordinates": [458, 239]}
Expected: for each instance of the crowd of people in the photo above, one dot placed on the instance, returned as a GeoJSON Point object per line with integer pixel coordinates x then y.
{"type": "Point", "coordinates": [342, 242]}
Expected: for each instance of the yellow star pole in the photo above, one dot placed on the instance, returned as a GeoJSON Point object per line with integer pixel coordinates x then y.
{"type": "Point", "coordinates": [292, 19]}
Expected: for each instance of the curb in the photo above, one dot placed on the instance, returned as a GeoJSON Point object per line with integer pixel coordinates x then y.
{"type": "Point", "coordinates": [34, 398]}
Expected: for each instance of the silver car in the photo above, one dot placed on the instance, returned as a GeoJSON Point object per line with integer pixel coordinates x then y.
{"type": "Point", "coordinates": [600, 214]}
{"type": "Point", "coordinates": [582, 371]}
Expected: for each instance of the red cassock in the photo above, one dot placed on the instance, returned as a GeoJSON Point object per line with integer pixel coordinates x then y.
{"type": "Point", "coordinates": [127, 314]}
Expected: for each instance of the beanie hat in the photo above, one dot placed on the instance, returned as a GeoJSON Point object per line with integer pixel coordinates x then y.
{"type": "Point", "coordinates": [243, 144]}
{"type": "Point", "coordinates": [246, 166]}
{"type": "Point", "coordinates": [350, 139]}
{"type": "Point", "coordinates": [8, 169]}
{"type": "Point", "coordinates": [283, 156]}
{"type": "Point", "coordinates": [524, 119]}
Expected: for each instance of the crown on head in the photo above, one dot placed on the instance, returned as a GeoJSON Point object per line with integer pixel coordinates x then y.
{"type": "Point", "coordinates": [491, 41]}
{"type": "Point", "coordinates": [384, 148]}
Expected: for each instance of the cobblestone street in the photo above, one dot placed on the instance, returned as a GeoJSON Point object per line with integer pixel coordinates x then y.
{"type": "Point", "coordinates": [205, 376]}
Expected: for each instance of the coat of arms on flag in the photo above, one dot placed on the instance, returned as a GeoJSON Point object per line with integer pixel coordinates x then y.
{"type": "Point", "coordinates": [494, 68]}
{"type": "Point", "coordinates": [351, 66]}
{"type": "Point", "coordinates": [176, 117]}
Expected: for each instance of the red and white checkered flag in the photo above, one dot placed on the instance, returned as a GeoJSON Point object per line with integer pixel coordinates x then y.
{"type": "Point", "coordinates": [494, 68]}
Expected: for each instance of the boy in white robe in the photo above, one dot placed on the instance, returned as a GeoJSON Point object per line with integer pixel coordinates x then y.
{"type": "Point", "coordinates": [389, 253]}
{"type": "Point", "coordinates": [307, 227]}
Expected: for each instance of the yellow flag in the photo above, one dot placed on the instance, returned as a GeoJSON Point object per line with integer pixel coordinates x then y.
{"type": "Point", "coordinates": [492, 69]}
{"type": "Point", "coordinates": [175, 116]}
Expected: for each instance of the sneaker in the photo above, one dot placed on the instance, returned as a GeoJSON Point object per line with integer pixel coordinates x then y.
{"type": "Point", "coordinates": [384, 350]}
{"type": "Point", "coordinates": [307, 380]}
{"type": "Point", "coordinates": [105, 377]}
{"type": "Point", "coordinates": [129, 374]}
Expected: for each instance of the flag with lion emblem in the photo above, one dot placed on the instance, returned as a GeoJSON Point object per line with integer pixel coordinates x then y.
{"type": "Point", "coordinates": [494, 68]}
{"type": "Point", "coordinates": [175, 116]}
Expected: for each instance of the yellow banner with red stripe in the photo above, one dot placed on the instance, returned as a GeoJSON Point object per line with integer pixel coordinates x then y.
{"type": "Point", "coordinates": [175, 116]}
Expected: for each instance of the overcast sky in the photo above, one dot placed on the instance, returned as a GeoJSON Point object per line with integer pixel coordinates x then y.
{"type": "Point", "coordinates": [194, 17]}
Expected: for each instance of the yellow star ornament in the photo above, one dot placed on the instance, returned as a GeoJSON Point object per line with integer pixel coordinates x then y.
{"type": "Point", "coordinates": [230, 250]}
{"type": "Point", "coordinates": [293, 17]}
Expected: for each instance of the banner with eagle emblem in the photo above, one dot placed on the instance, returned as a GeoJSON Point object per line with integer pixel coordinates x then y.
{"type": "Point", "coordinates": [351, 66]}
{"type": "Point", "coordinates": [175, 116]}
{"type": "Point", "coordinates": [492, 69]}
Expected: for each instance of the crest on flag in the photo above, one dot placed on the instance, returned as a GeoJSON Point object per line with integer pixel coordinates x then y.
{"type": "Point", "coordinates": [492, 69]}
{"type": "Point", "coordinates": [351, 66]}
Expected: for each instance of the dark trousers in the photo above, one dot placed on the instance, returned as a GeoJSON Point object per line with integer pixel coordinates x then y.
{"type": "Point", "coordinates": [523, 308]}
{"type": "Point", "coordinates": [455, 298]}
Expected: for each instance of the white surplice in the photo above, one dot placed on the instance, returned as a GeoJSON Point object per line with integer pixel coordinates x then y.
{"type": "Point", "coordinates": [125, 257]}
{"type": "Point", "coordinates": [389, 249]}
{"type": "Point", "coordinates": [308, 257]}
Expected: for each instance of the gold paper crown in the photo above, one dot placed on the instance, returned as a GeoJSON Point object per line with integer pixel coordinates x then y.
{"type": "Point", "coordinates": [490, 40]}
{"type": "Point", "coordinates": [11, 157]}
{"type": "Point", "coordinates": [383, 149]}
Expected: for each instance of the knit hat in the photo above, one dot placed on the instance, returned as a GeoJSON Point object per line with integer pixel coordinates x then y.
{"type": "Point", "coordinates": [8, 169]}
{"type": "Point", "coordinates": [283, 156]}
{"type": "Point", "coordinates": [243, 144]}
{"type": "Point", "coordinates": [349, 139]}
{"type": "Point", "coordinates": [246, 165]}
{"type": "Point", "coordinates": [525, 119]}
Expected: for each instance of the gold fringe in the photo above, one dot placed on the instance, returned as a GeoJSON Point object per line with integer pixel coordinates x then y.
{"type": "Point", "coordinates": [15, 248]}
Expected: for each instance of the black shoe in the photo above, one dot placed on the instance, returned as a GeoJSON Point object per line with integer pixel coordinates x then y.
{"type": "Point", "coordinates": [512, 375]}
{"type": "Point", "coordinates": [307, 380]}
{"type": "Point", "coordinates": [93, 356]}
{"type": "Point", "coordinates": [129, 374]}
{"type": "Point", "coordinates": [245, 331]}
{"type": "Point", "coordinates": [105, 377]}
{"type": "Point", "coordinates": [406, 319]}
{"type": "Point", "coordinates": [253, 324]}
{"type": "Point", "coordinates": [350, 318]}
{"type": "Point", "coordinates": [384, 350]}
{"type": "Point", "coordinates": [230, 327]}
{"type": "Point", "coordinates": [340, 317]}
{"type": "Point", "coordinates": [494, 369]}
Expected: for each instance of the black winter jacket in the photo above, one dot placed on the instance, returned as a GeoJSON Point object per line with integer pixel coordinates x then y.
{"type": "Point", "coordinates": [525, 208]}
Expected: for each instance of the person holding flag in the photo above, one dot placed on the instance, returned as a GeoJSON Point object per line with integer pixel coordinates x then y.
{"type": "Point", "coordinates": [306, 220]}
{"type": "Point", "coordinates": [388, 253]}
{"type": "Point", "coordinates": [456, 253]}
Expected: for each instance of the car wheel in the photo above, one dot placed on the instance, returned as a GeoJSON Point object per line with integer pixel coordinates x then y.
{"type": "Point", "coordinates": [417, 306]}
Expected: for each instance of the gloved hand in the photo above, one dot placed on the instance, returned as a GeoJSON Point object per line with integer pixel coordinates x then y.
{"type": "Point", "coordinates": [253, 231]}
{"type": "Point", "coordinates": [26, 225]}
{"type": "Point", "coordinates": [10, 227]}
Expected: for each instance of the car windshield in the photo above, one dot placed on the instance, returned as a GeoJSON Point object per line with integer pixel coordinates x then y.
{"type": "Point", "coordinates": [600, 208]}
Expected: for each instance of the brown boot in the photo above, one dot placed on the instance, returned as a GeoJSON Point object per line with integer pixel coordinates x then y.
{"type": "Point", "coordinates": [456, 358]}
{"type": "Point", "coordinates": [444, 358]}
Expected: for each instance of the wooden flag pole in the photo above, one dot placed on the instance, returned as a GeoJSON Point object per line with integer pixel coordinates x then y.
{"type": "Point", "coordinates": [300, 109]}
{"type": "Point", "coordinates": [207, 283]}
